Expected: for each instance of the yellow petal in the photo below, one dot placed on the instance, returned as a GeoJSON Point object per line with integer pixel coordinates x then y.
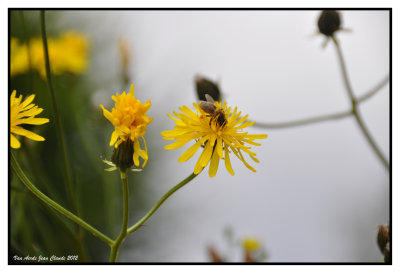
{"type": "Point", "coordinates": [176, 144]}
{"type": "Point", "coordinates": [114, 137]}
{"type": "Point", "coordinates": [228, 161]}
{"type": "Point", "coordinates": [21, 131]}
{"type": "Point", "coordinates": [219, 147]}
{"type": "Point", "coordinates": [214, 165]}
{"type": "Point", "coordinates": [14, 142]}
{"type": "Point", "coordinates": [136, 148]}
{"type": "Point", "coordinates": [132, 90]}
{"type": "Point", "coordinates": [192, 150]}
{"type": "Point", "coordinates": [27, 101]}
{"type": "Point", "coordinates": [34, 121]}
{"type": "Point", "coordinates": [145, 150]}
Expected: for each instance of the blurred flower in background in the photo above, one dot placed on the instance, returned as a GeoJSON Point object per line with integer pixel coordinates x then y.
{"type": "Point", "coordinates": [253, 250]}
{"type": "Point", "coordinates": [23, 113]}
{"type": "Point", "coordinates": [68, 54]}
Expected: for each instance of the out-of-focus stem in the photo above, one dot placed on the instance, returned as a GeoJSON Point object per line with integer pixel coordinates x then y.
{"type": "Point", "coordinates": [354, 103]}
{"type": "Point", "coordinates": [301, 122]}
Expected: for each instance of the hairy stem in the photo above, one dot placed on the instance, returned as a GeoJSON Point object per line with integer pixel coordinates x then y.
{"type": "Point", "coordinates": [124, 229]}
{"type": "Point", "coordinates": [136, 226]}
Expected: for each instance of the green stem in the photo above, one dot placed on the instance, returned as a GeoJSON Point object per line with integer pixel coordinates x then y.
{"type": "Point", "coordinates": [115, 246]}
{"type": "Point", "coordinates": [344, 71]}
{"type": "Point", "coordinates": [354, 103]}
{"type": "Point", "coordinates": [303, 121]}
{"type": "Point", "coordinates": [25, 35]}
{"type": "Point", "coordinates": [374, 90]}
{"type": "Point", "coordinates": [370, 140]}
{"type": "Point", "coordinates": [57, 121]}
{"type": "Point", "coordinates": [17, 169]}
{"type": "Point", "coordinates": [136, 226]}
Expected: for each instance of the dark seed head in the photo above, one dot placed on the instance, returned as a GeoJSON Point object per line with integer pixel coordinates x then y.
{"type": "Point", "coordinates": [329, 22]}
{"type": "Point", "coordinates": [383, 237]}
{"type": "Point", "coordinates": [205, 86]}
{"type": "Point", "coordinates": [122, 156]}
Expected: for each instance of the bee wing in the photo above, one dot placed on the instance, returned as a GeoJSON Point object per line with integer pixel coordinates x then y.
{"type": "Point", "coordinates": [207, 107]}
{"type": "Point", "coordinates": [209, 98]}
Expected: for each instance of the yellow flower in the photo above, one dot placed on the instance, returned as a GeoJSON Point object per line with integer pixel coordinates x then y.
{"type": "Point", "coordinates": [19, 63]}
{"type": "Point", "coordinates": [130, 121]}
{"type": "Point", "coordinates": [67, 54]}
{"type": "Point", "coordinates": [23, 113]}
{"type": "Point", "coordinates": [217, 138]}
{"type": "Point", "coordinates": [251, 244]}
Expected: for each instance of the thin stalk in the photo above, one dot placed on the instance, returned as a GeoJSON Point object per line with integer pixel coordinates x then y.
{"type": "Point", "coordinates": [57, 121]}
{"type": "Point", "coordinates": [301, 122]}
{"type": "Point", "coordinates": [136, 226]}
{"type": "Point", "coordinates": [374, 90]}
{"type": "Point", "coordinates": [344, 71]}
{"type": "Point", "coordinates": [125, 192]}
{"type": "Point", "coordinates": [25, 35]}
{"type": "Point", "coordinates": [21, 175]}
{"type": "Point", "coordinates": [370, 140]}
{"type": "Point", "coordinates": [354, 103]}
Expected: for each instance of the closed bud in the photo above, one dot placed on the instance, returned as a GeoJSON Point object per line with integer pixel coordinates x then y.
{"type": "Point", "coordinates": [383, 237]}
{"type": "Point", "coordinates": [215, 257]}
{"type": "Point", "coordinates": [205, 86]}
{"type": "Point", "coordinates": [122, 156]}
{"type": "Point", "coordinates": [329, 22]}
{"type": "Point", "coordinates": [387, 253]}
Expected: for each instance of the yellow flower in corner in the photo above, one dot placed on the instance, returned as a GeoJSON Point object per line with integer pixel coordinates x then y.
{"type": "Point", "coordinates": [23, 113]}
{"type": "Point", "coordinates": [67, 54]}
{"type": "Point", "coordinates": [130, 121]}
{"type": "Point", "coordinates": [251, 244]}
{"type": "Point", "coordinates": [216, 128]}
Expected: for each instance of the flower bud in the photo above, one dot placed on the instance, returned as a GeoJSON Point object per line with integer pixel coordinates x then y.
{"type": "Point", "coordinates": [122, 156]}
{"type": "Point", "coordinates": [387, 253]}
{"type": "Point", "coordinates": [383, 237]}
{"type": "Point", "coordinates": [215, 257]}
{"type": "Point", "coordinates": [205, 86]}
{"type": "Point", "coordinates": [329, 22]}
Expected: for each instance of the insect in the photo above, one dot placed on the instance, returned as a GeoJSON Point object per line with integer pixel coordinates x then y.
{"type": "Point", "coordinates": [216, 115]}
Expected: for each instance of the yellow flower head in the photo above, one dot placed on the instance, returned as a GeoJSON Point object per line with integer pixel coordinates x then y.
{"type": "Point", "coordinates": [218, 133]}
{"type": "Point", "coordinates": [19, 57]}
{"type": "Point", "coordinates": [67, 54]}
{"type": "Point", "coordinates": [130, 121]}
{"type": "Point", "coordinates": [23, 113]}
{"type": "Point", "coordinates": [251, 244]}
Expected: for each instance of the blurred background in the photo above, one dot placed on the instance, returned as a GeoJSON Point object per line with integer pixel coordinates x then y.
{"type": "Point", "coordinates": [319, 191]}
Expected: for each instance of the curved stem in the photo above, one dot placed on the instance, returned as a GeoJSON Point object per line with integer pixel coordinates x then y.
{"type": "Point", "coordinates": [57, 121]}
{"type": "Point", "coordinates": [303, 121]}
{"type": "Point", "coordinates": [374, 90]}
{"type": "Point", "coordinates": [17, 169]}
{"type": "Point", "coordinates": [136, 226]}
{"type": "Point", "coordinates": [355, 110]}
{"type": "Point", "coordinates": [124, 229]}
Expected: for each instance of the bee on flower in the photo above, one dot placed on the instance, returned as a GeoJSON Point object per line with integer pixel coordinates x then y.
{"type": "Point", "coordinates": [218, 129]}
{"type": "Point", "coordinates": [130, 121]}
{"type": "Point", "coordinates": [23, 112]}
